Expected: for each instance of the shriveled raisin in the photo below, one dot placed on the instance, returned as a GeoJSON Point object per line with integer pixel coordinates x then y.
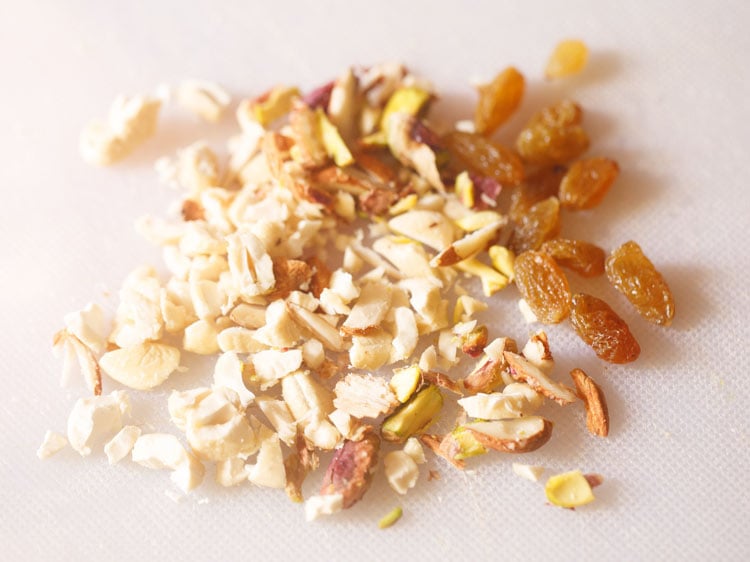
{"type": "Point", "coordinates": [541, 222]}
{"type": "Point", "coordinates": [587, 182]}
{"type": "Point", "coordinates": [498, 100]}
{"type": "Point", "coordinates": [568, 58]}
{"type": "Point", "coordinates": [553, 135]}
{"type": "Point", "coordinates": [602, 329]}
{"type": "Point", "coordinates": [540, 184]}
{"type": "Point", "coordinates": [543, 285]}
{"type": "Point", "coordinates": [633, 274]}
{"type": "Point", "coordinates": [485, 158]}
{"type": "Point", "coordinates": [584, 258]}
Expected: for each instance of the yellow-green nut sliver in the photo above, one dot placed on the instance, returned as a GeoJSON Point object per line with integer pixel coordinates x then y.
{"type": "Point", "coordinates": [414, 416]}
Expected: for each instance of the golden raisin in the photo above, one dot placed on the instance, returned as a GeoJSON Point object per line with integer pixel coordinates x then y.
{"type": "Point", "coordinates": [568, 58]}
{"type": "Point", "coordinates": [485, 158]}
{"type": "Point", "coordinates": [538, 186]}
{"type": "Point", "coordinates": [554, 135]}
{"type": "Point", "coordinates": [584, 258]}
{"type": "Point", "coordinates": [602, 329]}
{"type": "Point", "coordinates": [498, 100]}
{"type": "Point", "coordinates": [541, 222]}
{"type": "Point", "coordinates": [587, 182]}
{"type": "Point", "coordinates": [633, 274]}
{"type": "Point", "coordinates": [543, 285]}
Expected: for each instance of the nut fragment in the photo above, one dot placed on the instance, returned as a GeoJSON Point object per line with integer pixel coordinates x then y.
{"type": "Point", "coordinates": [94, 417]}
{"type": "Point", "coordinates": [143, 366]}
{"type": "Point", "coordinates": [53, 442]}
{"type": "Point", "coordinates": [350, 472]}
{"type": "Point", "coordinates": [363, 396]}
{"type": "Point", "coordinates": [401, 471]}
{"type": "Point", "coordinates": [390, 518]}
{"type": "Point", "coordinates": [527, 471]}
{"type": "Point", "coordinates": [206, 99]}
{"type": "Point", "coordinates": [570, 489]}
{"type": "Point", "coordinates": [597, 416]}
{"type": "Point", "coordinates": [520, 435]}
{"type": "Point", "coordinates": [414, 416]}
{"type": "Point", "coordinates": [163, 451]}
{"type": "Point", "coordinates": [523, 370]}
{"type": "Point", "coordinates": [121, 444]}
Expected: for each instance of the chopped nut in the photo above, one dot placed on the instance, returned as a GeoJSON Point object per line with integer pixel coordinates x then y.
{"type": "Point", "coordinates": [297, 465]}
{"type": "Point", "coordinates": [469, 245]}
{"type": "Point", "coordinates": [370, 309]}
{"type": "Point", "coordinates": [70, 346]}
{"type": "Point", "coordinates": [350, 472]}
{"type": "Point", "coordinates": [308, 401]}
{"type": "Point", "coordinates": [270, 106]}
{"type": "Point", "coordinates": [363, 396]}
{"type": "Point", "coordinates": [570, 489]}
{"type": "Point", "coordinates": [272, 365]}
{"type": "Point", "coordinates": [322, 330]}
{"type": "Point", "coordinates": [143, 366]}
{"type": "Point", "coordinates": [121, 444]}
{"type": "Point", "coordinates": [324, 504]}
{"type": "Point", "coordinates": [520, 435]}
{"type": "Point", "coordinates": [372, 351]}
{"type": "Point", "coordinates": [231, 472]}
{"type": "Point", "coordinates": [94, 417]}
{"type": "Point", "coordinates": [502, 259]}
{"type": "Point", "coordinates": [268, 471]}
{"type": "Point", "coordinates": [524, 371]}
{"type": "Point", "coordinates": [411, 152]}
{"type": "Point", "coordinates": [515, 401]}
{"type": "Point", "coordinates": [53, 443]}
{"type": "Point", "coordinates": [405, 381]}
{"type": "Point", "coordinates": [229, 373]}
{"type": "Point", "coordinates": [527, 471]}
{"type": "Point", "coordinates": [428, 227]}
{"type": "Point", "coordinates": [401, 471]}
{"type": "Point", "coordinates": [492, 281]}
{"type": "Point", "coordinates": [538, 353]}
{"type": "Point", "coordinates": [131, 121]}
{"type": "Point", "coordinates": [163, 451]}
{"type": "Point", "coordinates": [414, 416]}
{"type": "Point", "coordinates": [390, 518]}
{"type": "Point", "coordinates": [206, 99]}
{"type": "Point", "coordinates": [597, 416]}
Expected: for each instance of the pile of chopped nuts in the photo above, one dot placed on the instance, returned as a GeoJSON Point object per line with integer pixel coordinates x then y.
{"type": "Point", "coordinates": [321, 265]}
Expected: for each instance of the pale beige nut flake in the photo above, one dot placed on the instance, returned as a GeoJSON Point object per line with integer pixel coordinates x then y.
{"type": "Point", "coordinates": [201, 337]}
{"type": "Point", "coordinates": [74, 351]}
{"type": "Point", "coordinates": [131, 121]}
{"type": "Point", "coordinates": [272, 365]}
{"type": "Point", "coordinates": [229, 373]}
{"type": "Point", "coordinates": [268, 470]}
{"type": "Point", "coordinates": [515, 401]}
{"type": "Point", "coordinates": [528, 471]}
{"type": "Point", "coordinates": [52, 443]}
{"type": "Point", "coordinates": [525, 371]}
{"type": "Point", "coordinates": [93, 418]}
{"type": "Point", "coordinates": [121, 444]}
{"type": "Point", "coordinates": [401, 471]}
{"type": "Point", "coordinates": [143, 366]}
{"type": "Point", "coordinates": [431, 228]}
{"type": "Point", "coordinates": [206, 99]}
{"type": "Point", "coordinates": [364, 396]}
{"type": "Point", "coordinates": [162, 451]}
{"type": "Point", "coordinates": [327, 504]}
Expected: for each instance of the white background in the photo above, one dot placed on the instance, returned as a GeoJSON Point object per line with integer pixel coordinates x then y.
{"type": "Point", "coordinates": [667, 95]}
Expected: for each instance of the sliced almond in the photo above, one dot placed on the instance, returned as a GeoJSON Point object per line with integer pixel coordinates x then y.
{"type": "Point", "coordinates": [597, 415]}
{"type": "Point", "coordinates": [431, 228]}
{"type": "Point", "coordinates": [523, 370]}
{"type": "Point", "coordinates": [369, 311]}
{"type": "Point", "coordinates": [317, 325]}
{"type": "Point", "coordinates": [520, 435]}
{"type": "Point", "coordinates": [469, 245]}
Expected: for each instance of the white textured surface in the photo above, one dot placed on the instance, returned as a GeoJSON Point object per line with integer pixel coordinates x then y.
{"type": "Point", "coordinates": [667, 95]}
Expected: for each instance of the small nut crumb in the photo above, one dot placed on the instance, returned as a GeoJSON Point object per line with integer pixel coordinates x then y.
{"type": "Point", "coordinates": [206, 99]}
{"type": "Point", "coordinates": [53, 443]}
{"type": "Point", "coordinates": [401, 471]}
{"type": "Point", "coordinates": [570, 489]}
{"type": "Point", "coordinates": [527, 471]}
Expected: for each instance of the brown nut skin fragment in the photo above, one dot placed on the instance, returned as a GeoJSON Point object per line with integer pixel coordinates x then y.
{"type": "Point", "coordinates": [290, 275]}
{"type": "Point", "coordinates": [603, 329]}
{"type": "Point", "coordinates": [633, 274]}
{"type": "Point", "coordinates": [597, 415]}
{"type": "Point", "coordinates": [443, 447]}
{"type": "Point", "coordinates": [192, 210]}
{"type": "Point", "coordinates": [442, 380]}
{"type": "Point", "coordinates": [321, 276]}
{"type": "Point", "coordinates": [350, 470]}
{"type": "Point", "coordinates": [298, 464]}
{"type": "Point", "coordinates": [543, 285]}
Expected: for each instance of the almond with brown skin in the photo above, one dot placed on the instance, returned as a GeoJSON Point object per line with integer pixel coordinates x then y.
{"type": "Point", "coordinates": [523, 370]}
{"type": "Point", "coordinates": [597, 416]}
{"type": "Point", "coordinates": [350, 470]}
{"type": "Point", "coordinates": [520, 435]}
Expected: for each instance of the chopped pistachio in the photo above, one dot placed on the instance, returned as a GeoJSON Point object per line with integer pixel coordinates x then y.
{"type": "Point", "coordinates": [502, 259]}
{"type": "Point", "coordinates": [464, 189]}
{"type": "Point", "coordinates": [492, 281]}
{"type": "Point", "coordinates": [332, 141]}
{"type": "Point", "coordinates": [390, 518]}
{"type": "Point", "coordinates": [467, 444]}
{"type": "Point", "coordinates": [404, 100]}
{"type": "Point", "coordinates": [570, 489]}
{"type": "Point", "coordinates": [405, 381]}
{"type": "Point", "coordinates": [274, 104]}
{"type": "Point", "coordinates": [414, 416]}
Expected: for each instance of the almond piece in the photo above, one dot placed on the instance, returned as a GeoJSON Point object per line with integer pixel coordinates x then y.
{"type": "Point", "coordinates": [597, 416]}
{"type": "Point", "coordinates": [469, 245]}
{"type": "Point", "coordinates": [520, 435]}
{"type": "Point", "coordinates": [523, 370]}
